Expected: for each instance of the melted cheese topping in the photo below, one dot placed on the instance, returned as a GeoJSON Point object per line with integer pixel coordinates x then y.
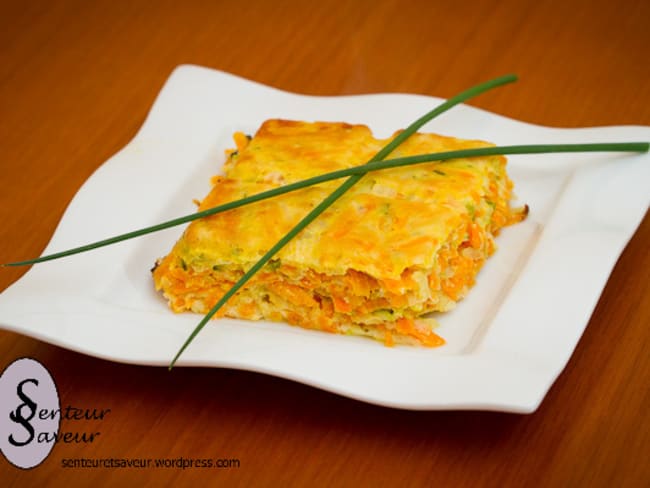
{"type": "Point", "coordinates": [390, 220]}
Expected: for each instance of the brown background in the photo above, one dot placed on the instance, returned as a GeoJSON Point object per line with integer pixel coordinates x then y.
{"type": "Point", "coordinates": [76, 81]}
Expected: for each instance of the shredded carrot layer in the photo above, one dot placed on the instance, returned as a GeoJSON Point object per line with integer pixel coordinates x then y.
{"type": "Point", "coordinates": [332, 302]}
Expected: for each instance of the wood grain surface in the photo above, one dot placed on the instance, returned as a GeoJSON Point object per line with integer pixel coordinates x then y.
{"type": "Point", "coordinates": [77, 79]}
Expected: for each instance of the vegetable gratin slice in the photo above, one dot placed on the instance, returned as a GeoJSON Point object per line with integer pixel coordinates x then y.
{"type": "Point", "coordinates": [401, 243]}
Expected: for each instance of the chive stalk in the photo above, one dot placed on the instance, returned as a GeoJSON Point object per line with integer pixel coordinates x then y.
{"type": "Point", "coordinates": [336, 194]}
{"type": "Point", "coordinates": [354, 170]}
{"type": "Point", "coordinates": [353, 174]}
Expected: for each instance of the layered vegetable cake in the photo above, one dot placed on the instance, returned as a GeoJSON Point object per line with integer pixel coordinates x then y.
{"type": "Point", "coordinates": [401, 243]}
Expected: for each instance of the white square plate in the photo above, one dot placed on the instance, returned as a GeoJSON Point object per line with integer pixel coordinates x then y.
{"type": "Point", "coordinates": [506, 342]}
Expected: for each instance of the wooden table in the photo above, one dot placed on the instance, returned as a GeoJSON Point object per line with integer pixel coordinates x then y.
{"type": "Point", "coordinates": [76, 81]}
